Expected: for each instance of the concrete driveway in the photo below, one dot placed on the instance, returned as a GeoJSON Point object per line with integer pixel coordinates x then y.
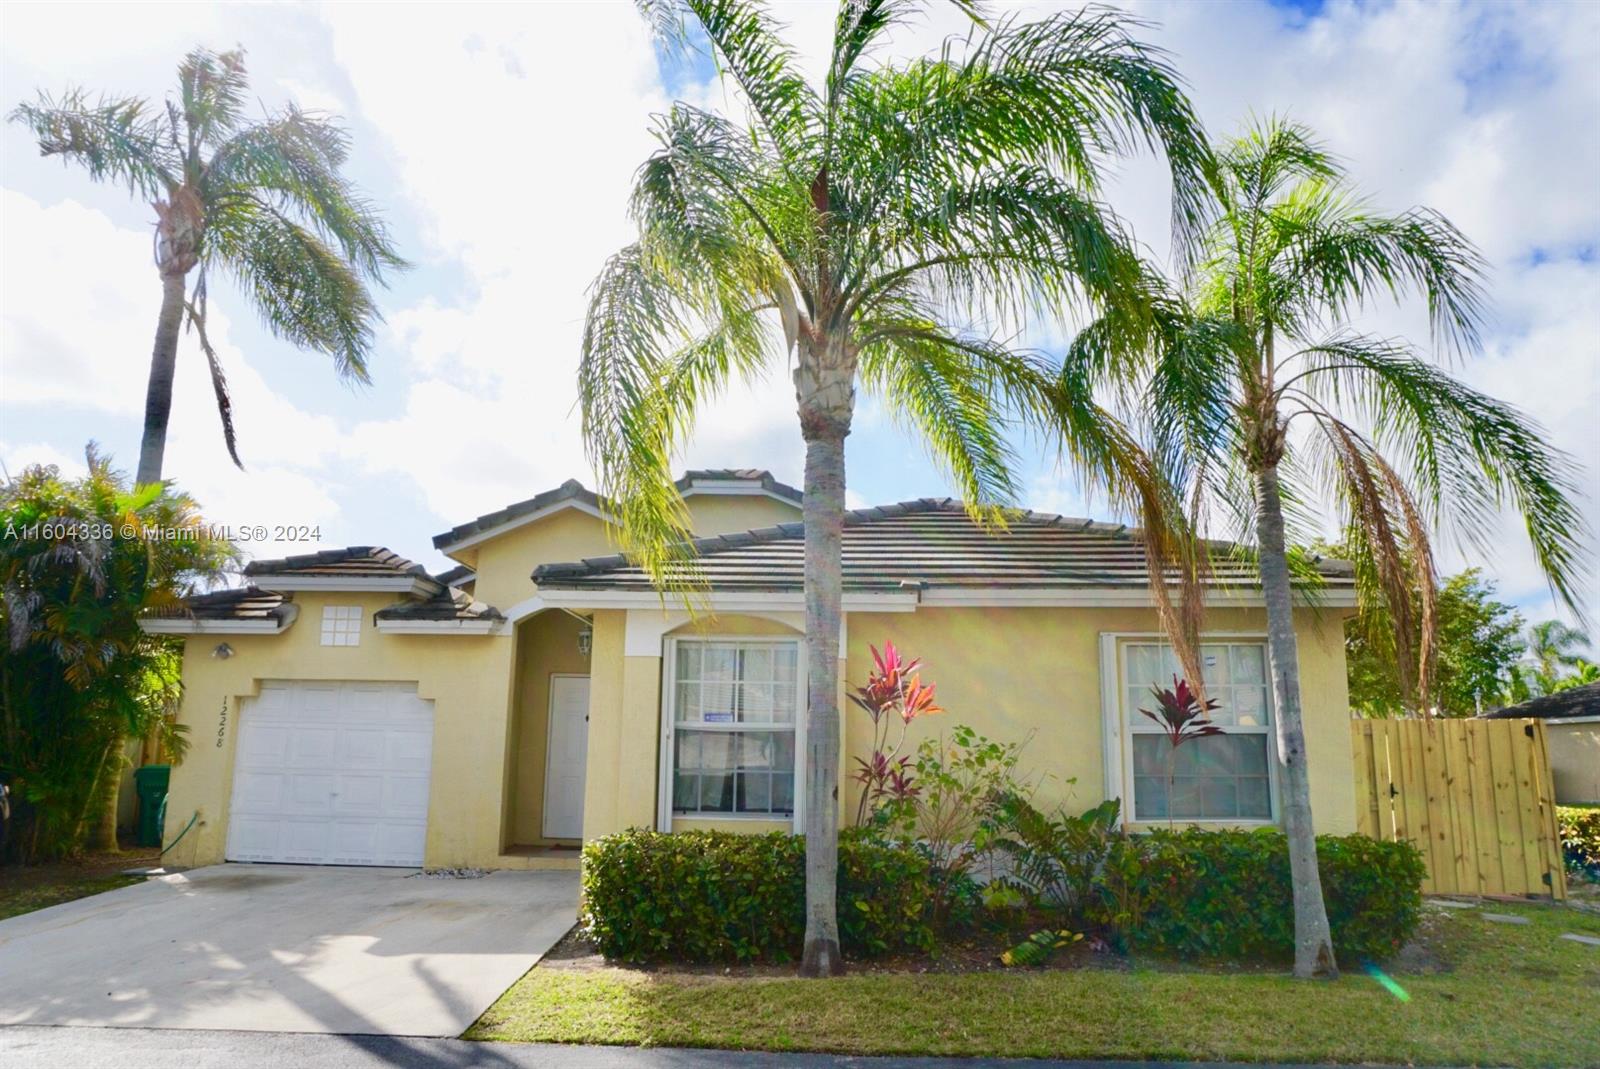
{"type": "Point", "coordinates": [284, 948]}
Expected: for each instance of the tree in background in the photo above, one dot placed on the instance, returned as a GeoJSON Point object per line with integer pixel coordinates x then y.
{"type": "Point", "coordinates": [80, 561]}
{"type": "Point", "coordinates": [1477, 645]}
{"type": "Point", "coordinates": [259, 200]}
{"type": "Point", "coordinates": [890, 229]}
{"type": "Point", "coordinates": [1257, 343]}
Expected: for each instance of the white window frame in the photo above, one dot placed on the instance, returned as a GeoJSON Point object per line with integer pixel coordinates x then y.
{"type": "Point", "coordinates": [341, 622]}
{"type": "Point", "coordinates": [1117, 726]}
{"type": "Point", "coordinates": [669, 696]}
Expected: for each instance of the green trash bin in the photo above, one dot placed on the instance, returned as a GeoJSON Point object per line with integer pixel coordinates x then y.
{"type": "Point", "coordinates": [150, 783]}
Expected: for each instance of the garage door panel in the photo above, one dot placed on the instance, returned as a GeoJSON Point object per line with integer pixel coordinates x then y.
{"type": "Point", "coordinates": [257, 792]}
{"type": "Point", "coordinates": [362, 748]}
{"type": "Point", "coordinates": [359, 796]}
{"type": "Point", "coordinates": [264, 746]}
{"type": "Point", "coordinates": [332, 773]}
{"type": "Point", "coordinates": [408, 750]}
{"type": "Point", "coordinates": [405, 797]}
{"type": "Point", "coordinates": [313, 746]}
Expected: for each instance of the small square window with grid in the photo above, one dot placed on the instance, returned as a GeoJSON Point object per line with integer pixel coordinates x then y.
{"type": "Point", "coordinates": [341, 625]}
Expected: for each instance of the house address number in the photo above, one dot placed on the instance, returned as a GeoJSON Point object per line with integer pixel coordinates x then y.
{"type": "Point", "coordinates": [222, 723]}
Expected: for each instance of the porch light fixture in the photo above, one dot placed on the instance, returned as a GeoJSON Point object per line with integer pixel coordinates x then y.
{"type": "Point", "coordinates": [222, 652]}
{"type": "Point", "coordinates": [585, 640]}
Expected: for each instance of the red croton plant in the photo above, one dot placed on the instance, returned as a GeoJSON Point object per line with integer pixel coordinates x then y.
{"type": "Point", "coordinates": [894, 694]}
{"type": "Point", "coordinates": [1184, 716]}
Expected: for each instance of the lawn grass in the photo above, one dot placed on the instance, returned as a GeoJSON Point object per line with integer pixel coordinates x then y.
{"type": "Point", "coordinates": [17, 900]}
{"type": "Point", "coordinates": [1487, 993]}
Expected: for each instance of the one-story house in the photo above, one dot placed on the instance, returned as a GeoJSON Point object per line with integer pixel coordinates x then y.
{"type": "Point", "coordinates": [348, 707]}
{"type": "Point", "coordinates": [1571, 734]}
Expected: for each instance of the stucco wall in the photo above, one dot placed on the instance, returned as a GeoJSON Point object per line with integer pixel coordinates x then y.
{"type": "Point", "coordinates": [1015, 674]}
{"type": "Point", "coordinates": [467, 677]}
{"type": "Point", "coordinates": [1574, 761]}
{"type": "Point", "coordinates": [1011, 674]}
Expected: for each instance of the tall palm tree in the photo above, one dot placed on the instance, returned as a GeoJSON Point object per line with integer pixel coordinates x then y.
{"type": "Point", "coordinates": [880, 230]}
{"type": "Point", "coordinates": [1256, 344]}
{"type": "Point", "coordinates": [261, 200]}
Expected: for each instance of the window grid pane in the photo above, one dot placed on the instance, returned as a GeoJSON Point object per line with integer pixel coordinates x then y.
{"type": "Point", "coordinates": [341, 625]}
{"type": "Point", "coordinates": [1224, 777]}
{"type": "Point", "coordinates": [725, 759]}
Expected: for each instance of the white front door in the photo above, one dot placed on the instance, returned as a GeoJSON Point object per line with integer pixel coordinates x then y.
{"type": "Point", "coordinates": [332, 773]}
{"type": "Point", "coordinates": [565, 756]}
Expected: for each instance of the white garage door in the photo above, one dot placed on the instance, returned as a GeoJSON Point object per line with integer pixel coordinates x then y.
{"type": "Point", "coordinates": [332, 774]}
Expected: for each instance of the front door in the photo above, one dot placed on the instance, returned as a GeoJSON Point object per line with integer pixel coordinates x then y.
{"type": "Point", "coordinates": [565, 757]}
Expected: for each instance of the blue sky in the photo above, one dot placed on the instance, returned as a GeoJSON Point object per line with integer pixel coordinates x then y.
{"type": "Point", "coordinates": [501, 141]}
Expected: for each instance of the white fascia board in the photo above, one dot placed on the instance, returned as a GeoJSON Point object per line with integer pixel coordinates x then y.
{"type": "Point", "coordinates": [440, 627]}
{"type": "Point", "coordinates": [523, 520]}
{"type": "Point", "coordinates": [178, 625]}
{"type": "Point", "coordinates": [408, 584]}
{"type": "Point", "coordinates": [1557, 721]}
{"type": "Point", "coordinates": [792, 601]}
{"type": "Point", "coordinates": [979, 597]}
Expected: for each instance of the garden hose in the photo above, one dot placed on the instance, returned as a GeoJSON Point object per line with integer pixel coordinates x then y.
{"type": "Point", "coordinates": [181, 834]}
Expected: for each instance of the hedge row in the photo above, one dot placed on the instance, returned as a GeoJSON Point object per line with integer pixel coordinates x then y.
{"type": "Point", "coordinates": [1227, 894]}
{"type": "Point", "coordinates": [721, 896]}
{"type": "Point", "coordinates": [1580, 838]}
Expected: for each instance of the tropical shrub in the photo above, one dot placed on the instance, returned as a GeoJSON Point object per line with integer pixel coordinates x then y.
{"type": "Point", "coordinates": [1580, 839]}
{"type": "Point", "coordinates": [707, 896]}
{"type": "Point", "coordinates": [1216, 894]}
{"type": "Point", "coordinates": [894, 695]}
{"type": "Point", "coordinates": [950, 818]}
{"type": "Point", "coordinates": [1227, 894]}
{"type": "Point", "coordinates": [80, 561]}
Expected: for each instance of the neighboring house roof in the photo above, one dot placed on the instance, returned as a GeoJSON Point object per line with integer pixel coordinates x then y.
{"type": "Point", "coordinates": [351, 568]}
{"type": "Point", "coordinates": [929, 544]}
{"type": "Point", "coordinates": [1562, 705]}
{"type": "Point", "coordinates": [721, 480]}
{"type": "Point", "coordinates": [573, 494]}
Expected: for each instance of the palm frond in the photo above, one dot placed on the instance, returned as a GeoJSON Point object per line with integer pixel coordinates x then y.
{"type": "Point", "coordinates": [304, 290]}
{"type": "Point", "coordinates": [293, 160]}
{"type": "Point", "coordinates": [212, 88]}
{"type": "Point", "coordinates": [1468, 455]}
{"type": "Point", "coordinates": [115, 139]}
{"type": "Point", "coordinates": [766, 70]}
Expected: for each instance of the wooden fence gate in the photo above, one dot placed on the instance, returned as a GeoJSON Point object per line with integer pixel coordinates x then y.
{"type": "Point", "coordinates": [1474, 796]}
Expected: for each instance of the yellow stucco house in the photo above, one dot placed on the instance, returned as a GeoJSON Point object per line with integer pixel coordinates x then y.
{"type": "Point", "coordinates": [346, 707]}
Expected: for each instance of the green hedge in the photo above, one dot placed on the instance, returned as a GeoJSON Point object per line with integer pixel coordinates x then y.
{"type": "Point", "coordinates": [1580, 838]}
{"type": "Point", "coordinates": [724, 897]}
{"type": "Point", "coordinates": [1226, 894]}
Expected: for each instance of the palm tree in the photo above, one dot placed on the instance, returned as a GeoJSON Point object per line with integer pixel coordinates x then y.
{"type": "Point", "coordinates": [262, 201]}
{"type": "Point", "coordinates": [879, 231]}
{"type": "Point", "coordinates": [1256, 344]}
{"type": "Point", "coordinates": [1554, 649]}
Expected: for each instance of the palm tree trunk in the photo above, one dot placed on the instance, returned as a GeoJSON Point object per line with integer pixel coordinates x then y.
{"type": "Point", "coordinates": [824, 583]}
{"type": "Point", "coordinates": [103, 836]}
{"type": "Point", "coordinates": [825, 389]}
{"type": "Point", "coordinates": [1313, 944]}
{"type": "Point", "coordinates": [158, 394]}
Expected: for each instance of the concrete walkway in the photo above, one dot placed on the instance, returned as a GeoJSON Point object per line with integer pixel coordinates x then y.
{"type": "Point", "coordinates": [79, 1048]}
{"type": "Point", "coordinates": [284, 948]}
